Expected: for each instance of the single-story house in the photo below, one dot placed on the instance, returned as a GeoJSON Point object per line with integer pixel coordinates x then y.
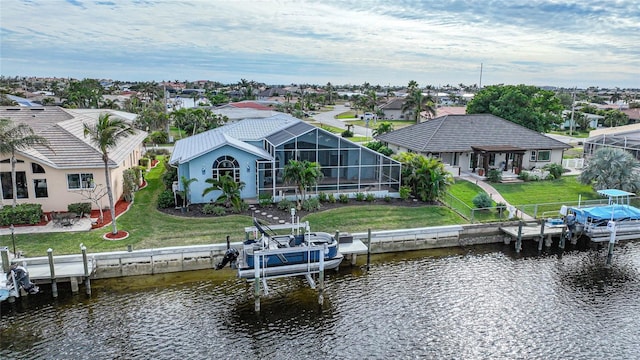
{"type": "Point", "coordinates": [56, 177]}
{"type": "Point", "coordinates": [480, 141]}
{"type": "Point", "coordinates": [393, 109]}
{"type": "Point", "coordinates": [256, 150]}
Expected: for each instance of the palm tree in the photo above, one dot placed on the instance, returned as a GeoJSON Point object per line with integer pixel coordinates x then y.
{"type": "Point", "coordinates": [304, 174]}
{"type": "Point", "coordinates": [105, 134]}
{"type": "Point", "coordinates": [230, 191]}
{"type": "Point", "coordinates": [383, 128]}
{"type": "Point", "coordinates": [16, 138]}
{"type": "Point", "coordinates": [416, 103]}
{"type": "Point", "coordinates": [611, 168]}
{"type": "Point", "coordinates": [184, 193]}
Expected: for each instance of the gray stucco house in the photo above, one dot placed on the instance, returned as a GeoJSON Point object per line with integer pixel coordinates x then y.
{"type": "Point", "coordinates": [255, 151]}
{"type": "Point", "coordinates": [477, 143]}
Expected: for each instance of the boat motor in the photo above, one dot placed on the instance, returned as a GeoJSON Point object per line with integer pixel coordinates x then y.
{"type": "Point", "coordinates": [230, 256]}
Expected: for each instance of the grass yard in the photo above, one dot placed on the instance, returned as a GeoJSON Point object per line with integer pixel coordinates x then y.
{"type": "Point", "coordinates": [566, 189]}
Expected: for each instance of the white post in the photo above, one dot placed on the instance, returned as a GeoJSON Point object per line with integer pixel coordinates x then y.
{"type": "Point", "coordinates": [256, 281]}
{"type": "Point", "coordinates": [611, 226]}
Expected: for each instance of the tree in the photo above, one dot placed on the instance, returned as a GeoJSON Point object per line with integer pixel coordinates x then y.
{"type": "Point", "coordinates": [383, 128]}
{"type": "Point", "coordinates": [614, 118]}
{"type": "Point", "coordinates": [84, 94]}
{"type": "Point", "coordinates": [416, 102]}
{"type": "Point", "coordinates": [426, 176]}
{"type": "Point", "coordinates": [105, 135]}
{"type": "Point", "coordinates": [185, 193]}
{"type": "Point", "coordinates": [611, 168]}
{"type": "Point", "coordinates": [304, 174]}
{"type": "Point", "coordinates": [524, 105]}
{"type": "Point", "coordinates": [230, 196]}
{"type": "Point", "coordinates": [16, 138]}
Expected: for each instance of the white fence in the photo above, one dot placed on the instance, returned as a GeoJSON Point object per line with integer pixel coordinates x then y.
{"type": "Point", "coordinates": [573, 163]}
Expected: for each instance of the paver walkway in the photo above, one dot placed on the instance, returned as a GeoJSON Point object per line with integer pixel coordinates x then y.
{"type": "Point", "coordinates": [495, 195]}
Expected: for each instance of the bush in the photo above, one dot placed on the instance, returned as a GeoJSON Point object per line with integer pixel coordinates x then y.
{"type": "Point", "coordinates": [322, 197]}
{"type": "Point", "coordinates": [360, 196]}
{"type": "Point", "coordinates": [344, 198]}
{"type": "Point", "coordinates": [144, 162]}
{"type": "Point", "coordinates": [555, 171]}
{"type": "Point", "coordinates": [79, 208]}
{"type": "Point", "coordinates": [213, 209]}
{"type": "Point", "coordinates": [347, 134]}
{"type": "Point", "coordinates": [21, 214]}
{"type": "Point", "coordinates": [311, 204]}
{"type": "Point", "coordinates": [265, 199]}
{"type": "Point", "coordinates": [500, 208]}
{"type": "Point", "coordinates": [286, 205]}
{"type": "Point", "coordinates": [331, 199]}
{"type": "Point", "coordinates": [405, 191]}
{"type": "Point", "coordinates": [166, 200]}
{"type": "Point", "coordinates": [387, 198]}
{"type": "Point", "coordinates": [169, 176]}
{"type": "Point", "coordinates": [370, 198]}
{"type": "Point", "coordinates": [482, 200]}
{"type": "Point", "coordinates": [494, 175]}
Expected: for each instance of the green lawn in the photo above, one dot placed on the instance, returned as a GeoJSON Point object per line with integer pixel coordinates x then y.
{"type": "Point", "coordinates": [565, 189]}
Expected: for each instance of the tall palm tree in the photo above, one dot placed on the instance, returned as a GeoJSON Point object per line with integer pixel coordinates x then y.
{"type": "Point", "coordinates": [105, 134]}
{"type": "Point", "coordinates": [416, 103]}
{"type": "Point", "coordinates": [15, 138]}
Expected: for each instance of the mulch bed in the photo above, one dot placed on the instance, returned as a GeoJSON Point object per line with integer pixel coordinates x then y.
{"type": "Point", "coordinates": [121, 206]}
{"type": "Point", "coordinates": [195, 210]}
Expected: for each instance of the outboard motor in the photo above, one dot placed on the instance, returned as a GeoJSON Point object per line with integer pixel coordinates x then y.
{"type": "Point", "coordinates": [229, 257]}
{"type": "Point", "coordinates": [19, 278]}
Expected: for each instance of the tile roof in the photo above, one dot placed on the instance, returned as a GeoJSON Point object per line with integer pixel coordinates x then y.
{"type": "Point", "coordinates": [458, 133]}
{"type": "Point", "coordinates": [63, 128]}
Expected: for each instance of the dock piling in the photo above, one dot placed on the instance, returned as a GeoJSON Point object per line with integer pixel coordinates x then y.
{"type": "Point", "coordinates": [4, 255]}
{"type": "Point", "coordinates": [541, 240]}
{"type": "Point", "coordinates": [611, 226]}
{"type": "Point", "coordinates": [87, 280]}
{"type": "Point", "coordinates": [519, 240]}
{"type": "Point", "coordinates": [256, 282]}
{"type": "Point", "coordinates": [368, 248]}
{"type": "Point", "coordinates": [321, 277]}
{"type": "Point", "coordinates": [52, 271]}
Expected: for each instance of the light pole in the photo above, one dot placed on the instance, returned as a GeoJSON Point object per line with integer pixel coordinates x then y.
{"type": "Point", "coordinates": [13, 240]}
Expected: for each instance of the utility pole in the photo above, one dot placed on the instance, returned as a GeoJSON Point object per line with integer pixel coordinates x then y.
{"type": "Point", "coordinates": [573, 109]}
{"type": "Point", "coordinates": [480, 85]}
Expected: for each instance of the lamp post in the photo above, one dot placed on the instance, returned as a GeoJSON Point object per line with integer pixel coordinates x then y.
{"type": "Point", "coordinates": [13, 240]}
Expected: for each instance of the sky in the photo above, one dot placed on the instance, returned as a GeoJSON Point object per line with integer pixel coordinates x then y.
{"type": "Point", "coordinates": [385, 42]}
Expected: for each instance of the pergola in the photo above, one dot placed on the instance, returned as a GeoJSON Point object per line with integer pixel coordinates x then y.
{"type": "Point", "coordinates": [482, 153]}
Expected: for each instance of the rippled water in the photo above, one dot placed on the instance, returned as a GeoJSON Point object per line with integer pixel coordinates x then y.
{"type": "Point", "coordinates": [473, 303]}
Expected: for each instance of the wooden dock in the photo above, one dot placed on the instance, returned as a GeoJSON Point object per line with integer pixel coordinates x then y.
{"type": "Point", "coordinates": [534, 231]}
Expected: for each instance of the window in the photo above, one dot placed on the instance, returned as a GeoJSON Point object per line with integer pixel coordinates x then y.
{"type": "Point", "coordinates": [80, 181]}
{"type": "Point", "coordinates": [541, 155]}
{"type": "Point", "coordinates": [40, 188]}
{"type": "Point", "coordinates": [226, 165]}
{"type": "Point", "coordinates": [37, 169]}
{"type": "Point", "coordinates": [21, 185]}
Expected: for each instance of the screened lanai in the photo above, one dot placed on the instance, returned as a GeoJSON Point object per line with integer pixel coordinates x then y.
{"type": "Point", "coordinates": [346, 167]}
{"type": "Point", "coordinates": [629, 142]}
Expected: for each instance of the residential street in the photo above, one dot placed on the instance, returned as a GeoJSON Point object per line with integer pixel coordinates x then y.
{"type": "Point", "coordinates": [327, 118]}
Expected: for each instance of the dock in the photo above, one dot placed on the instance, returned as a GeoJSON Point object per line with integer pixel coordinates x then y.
{"type": "Point", "coordinates": [534, 231]}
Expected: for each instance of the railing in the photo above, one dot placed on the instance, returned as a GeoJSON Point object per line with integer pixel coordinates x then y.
{"type": "Point", "coordinates": [474, 215]}
{"type": "Point", "coordinates": [573, 163]}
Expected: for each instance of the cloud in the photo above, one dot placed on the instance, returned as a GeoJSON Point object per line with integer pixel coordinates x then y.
{"type": "Point", "coordinates": [576, 43]}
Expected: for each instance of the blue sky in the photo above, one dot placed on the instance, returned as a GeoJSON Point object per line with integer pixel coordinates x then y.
{"type": "Point", "coordinates": [535, 42]}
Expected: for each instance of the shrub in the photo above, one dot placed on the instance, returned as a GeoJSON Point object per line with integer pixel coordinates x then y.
{"type": "Point", "coordinates": [238, 206]}
{"type": "Point", "coordinates": [347, 134]}
{"type": "Point", "coordinates": [482, 200]}
{"type": "Point", "coordinates": [405, 191]}
{"type": "Point", "coordinates": [494, 175]}
{"type": "Point", "coordinates": [130, 185]}
{"type": "Point", "coordinates": [370, 198]}
{"type": "Point", "coordinates": [285, 205]}
{"type": "Point", "coordinates": [311, 204]}
{"type": "Point", "coordinates": [322, 197]}
{"type": "Point", "coordinates": [169, 176]}
{"type": "Point", "coordinates": [343, 198]}
{"type": "Point", "coordinates": [144, 162]}
{"type": "Point", "coordinates": [166, 200]}
{"type": "Point", "coordinates": [331, 199]}
{"type": "Point", "coordinates": [21, 214]}
{"type": "Point", "coordinates": [360, 196]}
{"type": "Point", "coordinates": [500, 208]}
{"type": "Point", "coordinates": [555, 171]}
{"type": "Point", "coordinates": [79, 208]}
{"type": "Point", "coordinates": [524, 176]}
{"type": "Point", "coordinates": [387, 198]}
{"type": "Point", "coordinates": [265, 199]}
{"type": "Point", "coordinates": [213, 209]}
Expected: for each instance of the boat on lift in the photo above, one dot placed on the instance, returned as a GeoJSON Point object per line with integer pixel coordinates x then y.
{"type": "Point", "coordinates": [596, 222]}
{"type": "Point", "coordinates": [269, 254]}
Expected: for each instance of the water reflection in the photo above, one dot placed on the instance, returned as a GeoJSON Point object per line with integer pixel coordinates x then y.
{"type": "Point", "coordinates": [463, 303]}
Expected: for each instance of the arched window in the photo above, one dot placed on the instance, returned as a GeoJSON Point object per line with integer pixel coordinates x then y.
{"type": "Point", "coordinates": [226, 165]}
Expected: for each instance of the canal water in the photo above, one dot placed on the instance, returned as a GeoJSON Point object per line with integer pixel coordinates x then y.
{"type": "Point", "coordinates": [465, 303]}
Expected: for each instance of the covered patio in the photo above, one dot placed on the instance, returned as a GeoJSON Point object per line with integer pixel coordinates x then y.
{"type": "Point", "coordinates": [506, 158]}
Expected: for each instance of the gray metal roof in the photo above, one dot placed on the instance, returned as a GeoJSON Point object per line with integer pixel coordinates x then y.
{"type": "Point", "coordinates": [63, 128]}
{"type": "Point", "coordinates": [458, 133]}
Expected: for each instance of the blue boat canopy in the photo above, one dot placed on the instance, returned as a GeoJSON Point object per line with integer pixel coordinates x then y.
{"type": "Point", "coordinates": [608, 212]}
{"type": "Point", "coordinates": [614, 193]}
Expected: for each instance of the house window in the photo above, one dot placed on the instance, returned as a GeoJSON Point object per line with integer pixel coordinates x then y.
{"type": "Point", "coordinates": [226, 165]}
{"type": "Point", "coordinates": [80, 181]}
{"type": "Point", "coordinates": [37, 169]}
{"type": "Point", "coordinates": [40, 188]}
{"type": "Point", "coordinates": [21, 185]}
{"type": "Point", "coordinates": [541, 155]}
{"type": "Point", "coordinates": [533, 155]}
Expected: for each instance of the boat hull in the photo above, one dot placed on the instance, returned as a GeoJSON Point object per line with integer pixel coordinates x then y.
{"type": "Point", "coordinates": [290, 269]}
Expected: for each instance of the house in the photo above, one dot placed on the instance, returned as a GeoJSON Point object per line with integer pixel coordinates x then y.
{"type": "Point", "coordinates": [625, 137]}
{"type": "Point", "coordinates": [60, 176]}
{"type": "Point", "coordinates": [256, 150]}
{"type": "Point", "coordinates": [480, 141]}
{"type": "Point", "coordinates": [393, 109]}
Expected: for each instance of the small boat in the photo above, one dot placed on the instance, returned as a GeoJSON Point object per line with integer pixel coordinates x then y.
{"type": "Point", "coordinates": [275, 255]}
{"type": "Point", "coordinates": [598, 222]}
